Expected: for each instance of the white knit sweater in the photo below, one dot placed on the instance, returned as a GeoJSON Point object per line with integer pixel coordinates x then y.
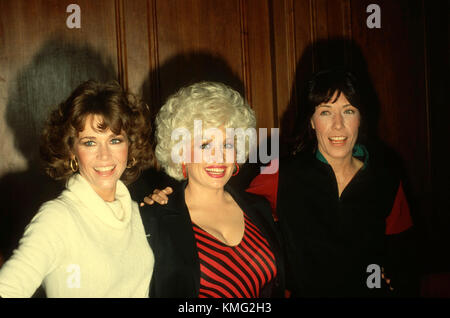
{"type": "Point", "coordinates": [78, 245]}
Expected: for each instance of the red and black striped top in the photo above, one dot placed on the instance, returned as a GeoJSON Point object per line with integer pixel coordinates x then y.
{"type": "Point", "coordinates": [239, 271]}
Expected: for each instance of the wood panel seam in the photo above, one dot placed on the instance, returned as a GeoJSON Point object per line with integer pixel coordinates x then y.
{"type": "Point", "coordinates": [312, 31]}
{"type": "Point", "coordinates": [275, 121]}
{"type": "Point", "coordinates": [348, 33]}
{"type": "Point", "coordinates": [153, 50]}
{"type": "Point", "coordinates": [292, 52]}
{"type": "Point", "coordinates": [244, 51]}
{"type": "Point", "coordinates": [121, 44]}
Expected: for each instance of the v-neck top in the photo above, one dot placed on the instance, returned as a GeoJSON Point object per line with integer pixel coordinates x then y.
{"type": "Point", "coordinates": [239, 271]}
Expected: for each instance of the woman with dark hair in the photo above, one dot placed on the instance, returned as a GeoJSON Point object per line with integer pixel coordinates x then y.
{"type": "Point", "coordinates": [90, 241]}
{"type": "Point", "coordinates": [328, 86]}
{"type": "Point", "coordinates": [335, 207]}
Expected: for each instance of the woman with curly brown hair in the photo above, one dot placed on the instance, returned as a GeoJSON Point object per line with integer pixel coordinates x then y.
{"type": "Point", "coordinates": [90, 241]}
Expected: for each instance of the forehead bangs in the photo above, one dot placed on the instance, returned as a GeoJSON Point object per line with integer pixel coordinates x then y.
{"type": "Point", "coordinates": [108, 109]}
{"type": "Point", "coordinates": [325, 96]}
{"type": "Point", "coordinates": [101, 122]}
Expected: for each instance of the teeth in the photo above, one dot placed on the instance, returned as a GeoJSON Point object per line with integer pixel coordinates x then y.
{"type": "Point", "coordinates": [103, 169]}
{"type": "Point", "coordinates": [215, 170]}
{"type": "Point", "coordinates": [338, 138]}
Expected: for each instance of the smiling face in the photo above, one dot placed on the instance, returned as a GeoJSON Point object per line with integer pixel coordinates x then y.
{"type": "Point", "coordinates": [102, 157]}
{"type": "Point", "coordinates": [217, 163]}
{"type": "Point", "coordinates": [336, 125]}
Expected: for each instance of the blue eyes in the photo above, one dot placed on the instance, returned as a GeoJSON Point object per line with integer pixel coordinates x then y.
{"type": "Point", "coordinates": [347, 112]}
{"type": "Point", "coordinates": [114, 141]}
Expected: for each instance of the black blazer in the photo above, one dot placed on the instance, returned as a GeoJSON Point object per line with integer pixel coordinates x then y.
{"type": "Point", "coordinates": [169, 231]}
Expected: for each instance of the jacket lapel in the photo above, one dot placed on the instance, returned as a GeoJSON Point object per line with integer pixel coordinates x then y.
{"type": "Point", "coordinates": [177, 222]}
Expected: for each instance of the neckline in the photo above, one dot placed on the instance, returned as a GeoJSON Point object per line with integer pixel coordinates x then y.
{"type": "Point", "coordinates": [94, 205]}
{"type": "Point", "coordinates": [117, 209]}
{"type": "Point", "coordinates": [359, 151]}
{"type": "Point", "coordinates": [219, 241]}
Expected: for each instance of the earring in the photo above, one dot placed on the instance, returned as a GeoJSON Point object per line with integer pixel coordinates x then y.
{"type": "Point", "coordinates": [183, 168]}
{"type": "Point", "coordinates": [237, 169]}
{"type": "Point", "coordinates": [133, 162]}
{"type": "Point", "coordinates": [73, 164]}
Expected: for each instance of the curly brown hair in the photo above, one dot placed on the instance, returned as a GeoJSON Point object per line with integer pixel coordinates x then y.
{"type": "Point", "coordinates": [120, 111]}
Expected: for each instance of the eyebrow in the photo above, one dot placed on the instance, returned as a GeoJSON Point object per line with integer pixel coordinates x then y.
{"type": "Point", "coordinates": [328, 105]}
{"type": "Point", "coordinates": [93, 137]}
{"type": "Point", "coordinates": [211, 140]}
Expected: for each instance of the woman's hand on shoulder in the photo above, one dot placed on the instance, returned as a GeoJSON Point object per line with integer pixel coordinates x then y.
{"type": "Point", "coordinates": [159, 196]}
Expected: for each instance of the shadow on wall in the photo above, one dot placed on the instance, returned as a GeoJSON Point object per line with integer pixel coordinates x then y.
{"type": "Point", "coordinates": [320, 55]}
{"type": "Point", "coordinates": [191, 67]}
{"type": "Point", "coordinates": [179, 71]}
{"type": "Point", "coordinates": [47, 80]}
{"type": "Point", "coordinates": [336, 53]}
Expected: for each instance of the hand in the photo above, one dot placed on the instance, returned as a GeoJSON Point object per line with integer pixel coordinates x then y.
{"type": "Point", "coordinates": [159, 196]}
{"type": "Point", "coordinates": [387, 280]}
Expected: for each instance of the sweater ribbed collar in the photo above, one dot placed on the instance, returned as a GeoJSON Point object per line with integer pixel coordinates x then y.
{"type": "Point", "coordinates": [78, 186]}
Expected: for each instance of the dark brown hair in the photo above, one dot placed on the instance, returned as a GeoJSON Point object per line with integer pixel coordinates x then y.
{"type": "Point", "coordinates": [321, 89]}
{"type": "Point", "coordinates": [120, 111]}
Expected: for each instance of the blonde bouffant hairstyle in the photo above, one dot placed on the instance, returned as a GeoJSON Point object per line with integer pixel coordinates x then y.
{"type": "Point", "coordinates": [215, 104]}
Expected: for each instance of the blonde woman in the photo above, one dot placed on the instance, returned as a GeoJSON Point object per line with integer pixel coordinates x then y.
{"type": "Point", "coordinates": [209, 240]}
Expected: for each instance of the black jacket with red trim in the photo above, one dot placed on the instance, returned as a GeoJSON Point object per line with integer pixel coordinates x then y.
{"type": "Point", "coordinates": [330, 240]}
{"type": "Point", "coordinates": [176, 272]}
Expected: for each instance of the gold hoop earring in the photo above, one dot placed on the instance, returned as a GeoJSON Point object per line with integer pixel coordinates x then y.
{"type": "Point", "coordinates": [133, 162]}
{"type": "Point", "coordinates": [73, 164]}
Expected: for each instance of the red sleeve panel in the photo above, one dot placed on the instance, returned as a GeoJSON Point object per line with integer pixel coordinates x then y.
{"type": "Point", "coordinates": [399, 219]}
{"type": "Point", "coordinates": [267, 186]}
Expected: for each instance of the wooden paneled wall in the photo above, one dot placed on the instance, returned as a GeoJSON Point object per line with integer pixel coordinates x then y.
{"type": "Point", "coordinates": [266, 49]}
